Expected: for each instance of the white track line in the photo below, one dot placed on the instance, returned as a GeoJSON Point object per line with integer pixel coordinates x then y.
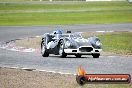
{"type": "Point", "coordinates": [54, 72]}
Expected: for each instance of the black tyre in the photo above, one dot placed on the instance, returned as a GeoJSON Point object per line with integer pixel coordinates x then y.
{"type": "Point", "coordinates": [81, 80]}
{"type": "Point", "coordinates": [43, 50]}
{"type": "Point", "coordinates": [61, 50]}
{"type": "Point", "coordinates": [95, 55]}
{"type": "Point", "coordinates": [78, 55]}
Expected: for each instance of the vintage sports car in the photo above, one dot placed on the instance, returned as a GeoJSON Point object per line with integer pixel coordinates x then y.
{"type": "Point", "coordinates": [69, 44]}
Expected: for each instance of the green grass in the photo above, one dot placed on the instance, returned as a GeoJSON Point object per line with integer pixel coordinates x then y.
{"type": "Point", "coordinates": [77, 6]}
{"type": "Point", "coordinates": [65, 18]}
{"type": "Point", "coordinates": [120, 43]}
{"type": "Point", "coordinates": [20, 0]}
{"type": "Point", "coordinates": [48, 14]}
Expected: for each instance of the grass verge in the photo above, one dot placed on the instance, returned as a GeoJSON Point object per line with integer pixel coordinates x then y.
{"type": "Point", "coordinates": [101, 17]}
{"type": "Point", "coordinates": [16, 78]}
{"type": "Point", "coordinates": [80, 13]}
{"type": "Point", "coordinates": [119, 43]}
{"type": "Point", "coordinates": [71, 6]}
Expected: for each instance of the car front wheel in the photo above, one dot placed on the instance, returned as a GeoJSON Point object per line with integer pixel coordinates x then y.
{"type": "Point", "coordinates": [43, 50]}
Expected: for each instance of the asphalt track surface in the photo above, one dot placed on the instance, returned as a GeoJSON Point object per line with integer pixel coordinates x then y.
{"type": "Point", "coordinates": [104, 64]}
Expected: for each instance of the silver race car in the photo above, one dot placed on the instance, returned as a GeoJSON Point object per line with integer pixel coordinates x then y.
{"type": "Point", "coordinates": [69, 44]}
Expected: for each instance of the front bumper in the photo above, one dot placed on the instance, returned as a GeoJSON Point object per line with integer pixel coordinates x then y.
{"type": "Point", "coordinates": [83, 50]}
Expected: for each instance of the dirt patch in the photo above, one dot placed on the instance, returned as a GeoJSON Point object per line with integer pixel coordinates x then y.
{"type": "Point", "coordinates": [16, 78]}
{"type": "Point", "coordinates": [29, 42]}
{"type": "Point", "coordinates": [114, 54]}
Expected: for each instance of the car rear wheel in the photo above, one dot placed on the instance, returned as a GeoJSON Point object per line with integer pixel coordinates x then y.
{"type": "Point", "coordinates": [95, 55]}
{"type": "Point", "coordinates": [43, 50]}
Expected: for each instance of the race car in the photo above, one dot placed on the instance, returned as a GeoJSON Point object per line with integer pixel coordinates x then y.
{"type": "Point", "coordinates": [69, 44]}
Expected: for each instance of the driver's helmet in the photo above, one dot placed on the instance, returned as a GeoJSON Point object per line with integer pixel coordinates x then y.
{"type": "Point", "coordinates": [58, 34]}
{"type": "Point", "coordinates": [58, 31]}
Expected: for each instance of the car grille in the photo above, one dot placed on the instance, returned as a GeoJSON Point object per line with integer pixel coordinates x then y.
{"type": "Point", "coordinates": [85, 49]}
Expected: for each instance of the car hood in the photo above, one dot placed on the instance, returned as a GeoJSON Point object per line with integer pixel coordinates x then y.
{"type": "Point", "coordinates": [77, 42]}
{"type": "Point", "coordinates": [81, 42]}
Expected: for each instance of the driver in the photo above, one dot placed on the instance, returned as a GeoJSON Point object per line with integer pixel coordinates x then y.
{"type": "Point", "coordinates": [57, 35]}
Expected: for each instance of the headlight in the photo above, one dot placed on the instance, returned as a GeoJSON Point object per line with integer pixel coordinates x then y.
{"type": "Point", "coordinates": [68, 43]}
{"type": "Point", "coordinates": [95, 42]}
{"type": "Point", "coordinates": [98, 43]}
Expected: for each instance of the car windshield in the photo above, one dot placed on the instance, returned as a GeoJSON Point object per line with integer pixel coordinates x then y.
{"type": "Point", "coordinates": [72, 35]}
{"type": "Point", "coordinates": [76, 35]}
{"type": "Point", "coordinates": [65, 35]}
